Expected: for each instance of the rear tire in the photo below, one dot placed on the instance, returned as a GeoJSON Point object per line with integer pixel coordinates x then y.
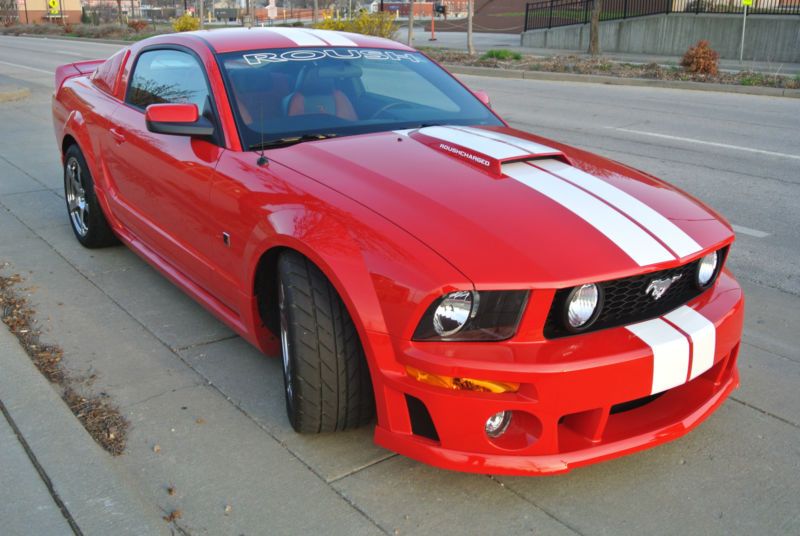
{"type": "Point", "coordinates": [85, 215]}
{"type": "Point", "coordinates": [326, 378]}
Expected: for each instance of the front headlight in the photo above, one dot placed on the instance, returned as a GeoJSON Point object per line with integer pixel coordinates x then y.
{"type": "Point", "coordinates": [454, 311]}
{"type": "Point", "coordinates": [707, 269]}
{"type": "Point", "coordinates": [466, 315]}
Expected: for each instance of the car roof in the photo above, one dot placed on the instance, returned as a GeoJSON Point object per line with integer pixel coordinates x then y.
{"type": "Point", "coordinates": [240, 39]}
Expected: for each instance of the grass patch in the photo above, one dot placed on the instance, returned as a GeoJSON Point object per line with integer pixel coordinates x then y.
{"type": "Point", "coordinates": [501, 54]}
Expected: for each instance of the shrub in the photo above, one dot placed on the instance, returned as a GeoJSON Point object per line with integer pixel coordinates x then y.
{"type": "Point", "coordinates": [33, 29]}
{"type": "Point", "coordinates": [701, 59]}
{"type": "Point", "coordinates": [501, 54]}
{"type": "Point", "coordinates": [377, 24]}
{"type": "Point", "coordinates": [138, 25]}
{"type": "Point", "coordinates": [186, 23]}
{"type": "Point", "coordinates": [85, 18]}
{"type": "Point", "coordinates": [102, 31]}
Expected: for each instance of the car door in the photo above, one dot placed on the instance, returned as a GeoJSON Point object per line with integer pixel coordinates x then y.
{"type": "Point", "coordinates": [161, 182]}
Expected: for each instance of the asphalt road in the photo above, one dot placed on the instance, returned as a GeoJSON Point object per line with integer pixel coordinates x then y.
{"type": "Point", "coordinates": [167, 363]}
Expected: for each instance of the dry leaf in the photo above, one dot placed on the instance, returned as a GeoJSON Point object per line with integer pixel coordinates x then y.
{"type": "Point", "coordinates": [156, 448]}
{"type": "Point", "coordinates": [174, 515]}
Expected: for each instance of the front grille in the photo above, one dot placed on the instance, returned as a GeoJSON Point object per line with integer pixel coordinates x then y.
{"type": "Point", "coordinates": [626, 302]}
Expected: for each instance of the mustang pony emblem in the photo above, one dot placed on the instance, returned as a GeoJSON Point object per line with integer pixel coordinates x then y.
{"type": "Point", "coordinates": [658, 287]}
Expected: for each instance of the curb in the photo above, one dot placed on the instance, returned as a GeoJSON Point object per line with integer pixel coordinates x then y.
{"type": "Point", "coordinates": [616, 81]}
{"type": "Point", "coordinates": [82, 474]}
{"type": "Point", "coordinates": [14, 94]}
{"type": "Point", "coordinates": [66, 38]}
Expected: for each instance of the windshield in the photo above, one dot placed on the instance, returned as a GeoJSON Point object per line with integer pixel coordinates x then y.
{"type": "Point", "coordinates": [310, 93]}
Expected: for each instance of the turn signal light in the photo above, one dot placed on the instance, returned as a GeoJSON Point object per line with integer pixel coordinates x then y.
{"type": "Point", "coordinates": [462, 384]}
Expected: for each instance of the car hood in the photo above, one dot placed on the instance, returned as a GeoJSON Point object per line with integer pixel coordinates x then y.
{"type": "Point", "coordinates": [507, 208]}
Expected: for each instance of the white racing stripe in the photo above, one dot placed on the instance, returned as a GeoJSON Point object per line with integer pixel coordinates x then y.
{"type": "Point", "coordinates": [529, 146]}
{"type": "Point", "coordinates": [663, 229]}
{"type": "Point", "coordinates": [703, 335]}
{"type": "Point", "coordinates": [300, 38]}
{"type": "Point", "coordinates": [491, 148]}
{"type": "Point", "coordinates": [334, 39]}
{"type": "Point", "coordinates": [670, 353]}
{"type": "Point", "coordinates": [629, 237]}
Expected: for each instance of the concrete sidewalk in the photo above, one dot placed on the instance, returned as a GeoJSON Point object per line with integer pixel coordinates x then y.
{"type": "Point", "coordinates": [55, 479]}
{"type": "Point", "coordinates": [487, 41]}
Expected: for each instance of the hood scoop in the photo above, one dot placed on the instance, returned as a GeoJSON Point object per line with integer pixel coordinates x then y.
{"type": "Point", "coordinates": [485, 149]}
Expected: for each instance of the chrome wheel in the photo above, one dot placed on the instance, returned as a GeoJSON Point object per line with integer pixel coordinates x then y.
{"type": "Point", "coordinates": [287, 364]}
{"type": "Point", "coordinates": [76, 197]}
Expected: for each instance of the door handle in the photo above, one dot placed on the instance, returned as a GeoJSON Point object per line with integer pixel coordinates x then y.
{"type": "Point", "coordinates": [118, 135]}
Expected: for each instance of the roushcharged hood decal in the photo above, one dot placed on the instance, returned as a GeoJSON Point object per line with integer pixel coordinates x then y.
{"type": "Point", "coordinates": [484, 149]}
{"type": "Point", "coordinates": [508, 210]}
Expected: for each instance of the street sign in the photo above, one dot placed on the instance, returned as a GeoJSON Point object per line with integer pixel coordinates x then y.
{"type": "Point", "coordinates": [747, 2]}
{"type": "Point", "coordinates": [53, 7]}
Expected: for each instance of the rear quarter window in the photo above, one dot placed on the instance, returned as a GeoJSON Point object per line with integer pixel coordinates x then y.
{"type": "Point", "coordinates": [105, 77]}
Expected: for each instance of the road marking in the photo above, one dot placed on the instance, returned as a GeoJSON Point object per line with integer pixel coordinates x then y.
{"type": "Point", "coordinates": [712, 143]}
{"type": "Point", "coordinates": [748, 231]}
{"type": "Point", "coordinates": [26, 67]}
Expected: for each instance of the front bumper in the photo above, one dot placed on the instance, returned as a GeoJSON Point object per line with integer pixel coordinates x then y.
{"type": "Point", "coordinates": [582, 399]}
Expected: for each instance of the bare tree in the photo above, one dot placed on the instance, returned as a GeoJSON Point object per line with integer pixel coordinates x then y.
{"type": "Point", "coordinates": [315, 12]}
{"type": "Point", "coordinates": [594, 28]}
{"type": "Point", "coordinates": [411, 23]}
{"type": "Point", "coordinates": [470, 12]}
{"type": "Point", "coordinates": [8, 11]}
{"type": "Point", "coordinates": [119, 11]}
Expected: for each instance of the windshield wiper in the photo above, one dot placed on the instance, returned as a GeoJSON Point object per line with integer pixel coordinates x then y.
{"type": "Point", "coordinates": [290, 140]}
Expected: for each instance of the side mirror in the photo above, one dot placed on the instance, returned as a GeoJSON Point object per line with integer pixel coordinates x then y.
{"type": "Point", "coordinates": [483, 97]}
{"type": "Point", "coordinates": [177, 119]}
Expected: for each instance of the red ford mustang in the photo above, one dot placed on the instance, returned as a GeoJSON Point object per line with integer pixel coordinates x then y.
{"type": "Point", "coordinates": [503, 302]}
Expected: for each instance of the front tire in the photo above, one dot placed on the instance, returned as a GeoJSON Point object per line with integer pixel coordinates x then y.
{"type": "Point", "coordinates": [85, 215]}
{"type": "Point", "coordinates": [326, 378]}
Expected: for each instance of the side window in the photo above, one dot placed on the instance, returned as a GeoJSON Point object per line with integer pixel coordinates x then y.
{"type": "Point", "coordinates": [167, 76]}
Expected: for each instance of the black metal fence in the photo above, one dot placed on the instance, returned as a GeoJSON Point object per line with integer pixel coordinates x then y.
{"type": "Point", "coordinates": [554, 13]}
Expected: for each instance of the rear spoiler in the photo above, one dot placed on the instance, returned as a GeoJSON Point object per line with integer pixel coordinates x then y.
{"type": "Point", "coordinates": [79, 68]}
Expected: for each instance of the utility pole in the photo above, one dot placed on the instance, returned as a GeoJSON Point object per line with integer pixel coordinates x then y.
{"type": "Point", "coordinates": [745, 3]}
{"type": "Point", "coordinates": [202, 21]}
{"type": "Point", "coordinates": [470, 10]}
{"type": "Point", "coordinates": [411, 23]}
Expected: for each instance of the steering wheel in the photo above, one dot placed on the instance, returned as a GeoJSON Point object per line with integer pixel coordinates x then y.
{"type": "Point", "coordinates": [388, 107]}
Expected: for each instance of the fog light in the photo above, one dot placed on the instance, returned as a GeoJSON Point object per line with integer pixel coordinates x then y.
{"type": "Point", "coordinates": [582, 305]}
{"type": "Point", "coordinates": [497, 424]}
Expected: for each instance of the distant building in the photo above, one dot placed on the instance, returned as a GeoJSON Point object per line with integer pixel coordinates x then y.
{"type": "Point", "coordinates": [39, 11]}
